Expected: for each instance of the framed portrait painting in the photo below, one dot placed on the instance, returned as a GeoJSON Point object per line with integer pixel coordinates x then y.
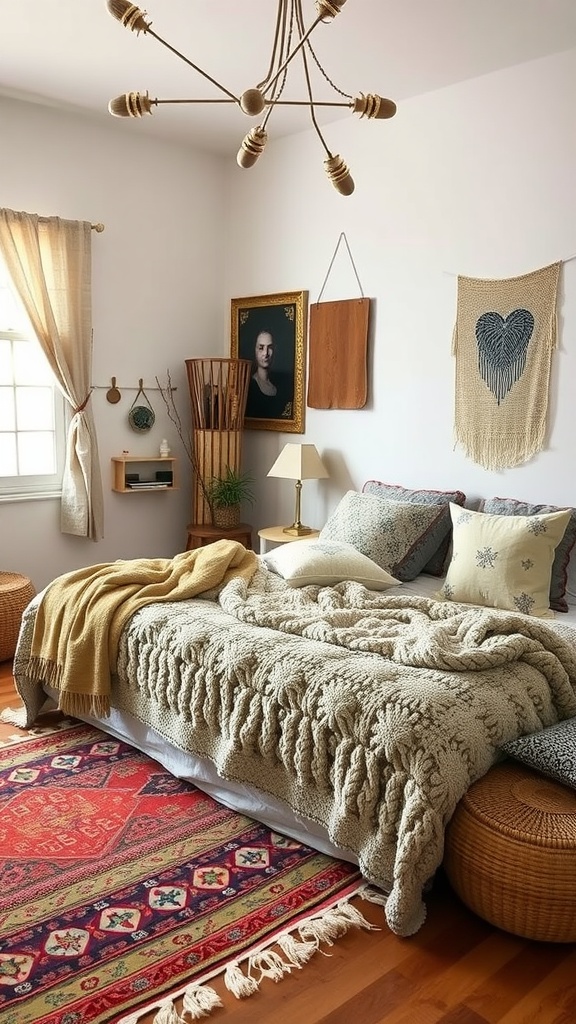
{"type": "Point", "coordinates": [270, 330]}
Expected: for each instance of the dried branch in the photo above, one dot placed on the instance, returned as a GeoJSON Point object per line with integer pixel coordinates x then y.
{"type": "Point", "coordinates": [167, 393]}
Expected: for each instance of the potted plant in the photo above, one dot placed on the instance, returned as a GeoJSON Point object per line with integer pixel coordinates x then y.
{"type": "Point", "coordinates": [226, 494]}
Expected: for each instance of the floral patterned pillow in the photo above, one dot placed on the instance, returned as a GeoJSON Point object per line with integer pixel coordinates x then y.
{"type": "Point", "coordinates": [399, 536]}
{"type": "Point", "coordinates": [436, 565]}
{"type": "Point", "coordinates": [504, 561]}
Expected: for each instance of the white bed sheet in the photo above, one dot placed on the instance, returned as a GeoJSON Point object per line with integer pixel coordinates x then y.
{"type": "Point", "coordinates": [271, 812]}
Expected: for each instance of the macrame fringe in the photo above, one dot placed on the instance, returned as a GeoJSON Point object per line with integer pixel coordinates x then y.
{"type": "Point", "coordinates": [498, 452]}
{"type": "Point", "coordinates": [243, 976]}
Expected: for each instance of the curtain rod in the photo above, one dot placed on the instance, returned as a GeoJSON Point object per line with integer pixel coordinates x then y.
{"type": "Point", "coordinates": [99, 226]}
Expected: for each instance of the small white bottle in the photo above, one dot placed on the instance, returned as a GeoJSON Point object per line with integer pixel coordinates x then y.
{"type": "Point", "coordinates": [164, 448]}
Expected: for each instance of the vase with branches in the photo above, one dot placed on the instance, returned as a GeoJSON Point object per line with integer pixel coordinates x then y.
{"type": "Point", "coordinates": [167, 393]}
{"type": "Point", "coordinates": [222, 486]}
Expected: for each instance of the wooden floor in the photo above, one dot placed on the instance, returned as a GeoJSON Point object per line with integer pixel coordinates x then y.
{"type": "Point", "coordinates": [456, 970]}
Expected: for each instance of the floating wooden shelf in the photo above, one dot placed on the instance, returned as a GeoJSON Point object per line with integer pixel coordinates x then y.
{"type": "Point", "coordinates": [146, 466]}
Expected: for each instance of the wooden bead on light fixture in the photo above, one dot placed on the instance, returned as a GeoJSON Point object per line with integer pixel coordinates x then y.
{"type": "Point", "coordinates": [328, 9]}
{"type": "Point", "coordinates": [252, 146]}
{"type": "Point", "coordinates": [131, 104]}
{"type": "Point", "coordinates": [252, 102]}
{"type": "Point", "coordinates": [129, 14]}
{"type": "Point", "coordinates": [373, 105]}
{"type": "Point", "coordinates": [339, 175]}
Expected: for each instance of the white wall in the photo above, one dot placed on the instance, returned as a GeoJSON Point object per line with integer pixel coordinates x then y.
{"type": "Point", "coordinates": [476, 179]}
{"type": "Point", "coordinates": [157, 300]}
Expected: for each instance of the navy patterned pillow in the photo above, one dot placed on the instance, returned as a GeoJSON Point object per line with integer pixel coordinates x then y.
{"type": "Point", "coordinates": [400, 536]}
{"type": "Point", "coordinates": [436, 564]}
{"type": "Point", "coordinates": [559, 577]}
{"type": "Point", "coordinates": [551, 751]}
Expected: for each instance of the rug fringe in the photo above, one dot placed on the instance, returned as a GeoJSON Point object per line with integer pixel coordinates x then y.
{"type": "Point", "coordinates": [14, 716]}
{"type": "Point", "coordinates": [297, 944]}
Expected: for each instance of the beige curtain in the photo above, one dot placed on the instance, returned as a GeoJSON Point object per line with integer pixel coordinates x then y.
{"type": "Point", "coordinates": [49, 261]}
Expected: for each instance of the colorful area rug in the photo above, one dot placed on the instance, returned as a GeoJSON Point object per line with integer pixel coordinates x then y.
{"type": "Point", "coordinates": [123, 887]}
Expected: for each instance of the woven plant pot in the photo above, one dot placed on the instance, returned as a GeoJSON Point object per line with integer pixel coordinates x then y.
{"type": "Point", "coordinates": [511, 853]}
{"type": "Point", "coordinates": [228, 517]}
{"type": "Point", "coordinates": [16, 592]}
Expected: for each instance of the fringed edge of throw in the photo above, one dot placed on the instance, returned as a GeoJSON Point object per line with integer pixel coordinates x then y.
{"type": "Point", "coordinates": [297, 944]}
{"type": "Point", "coordinates": [44, 670]}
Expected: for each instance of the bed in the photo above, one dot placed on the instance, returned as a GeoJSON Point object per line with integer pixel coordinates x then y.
{"type": "Point", "coordinates": [348, 711]}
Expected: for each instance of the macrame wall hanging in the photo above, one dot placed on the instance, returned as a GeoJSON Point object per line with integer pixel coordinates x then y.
{"type": "Point", "coordinates": [504, 336]}
{"type": "Point", "coordinates": [338, 348]}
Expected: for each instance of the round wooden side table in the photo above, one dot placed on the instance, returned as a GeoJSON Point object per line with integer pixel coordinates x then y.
{"type": "Point", "coordinates": [277, 535]}
{"type": "Point", "coordinates": [198, 536]}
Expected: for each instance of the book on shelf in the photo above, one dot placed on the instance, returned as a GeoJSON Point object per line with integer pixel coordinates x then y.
{"type": "Point", "coordinates": [147, 485]}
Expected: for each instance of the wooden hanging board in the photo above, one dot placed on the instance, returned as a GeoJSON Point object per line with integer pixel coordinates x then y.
{"type": "Point", "coordinates": [338, 348]}
{"type": "Point", "coordinates": [338, 354]}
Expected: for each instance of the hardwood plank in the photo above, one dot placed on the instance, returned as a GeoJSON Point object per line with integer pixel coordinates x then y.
{"type": "Point", "coordinates": [462, 1015]}
{"type": "Point", "coordinates": [551, 1001]}
{"type": "Point", "coordinates": [505, 989]}
{"type": "Point", "coordinates": [449, 988]}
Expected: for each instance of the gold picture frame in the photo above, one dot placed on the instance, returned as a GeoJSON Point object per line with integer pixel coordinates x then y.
{"type": "Point", "coordinates": [271, 331]}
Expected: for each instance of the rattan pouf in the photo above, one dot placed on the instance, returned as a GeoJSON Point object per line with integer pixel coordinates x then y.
{"type": "Point", "coordinates": [511, 853]}
{"type": "Point", "coordinates": [15, 593]}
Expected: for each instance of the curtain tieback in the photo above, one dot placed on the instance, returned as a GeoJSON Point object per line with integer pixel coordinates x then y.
{"type": "Point", "coordinates": [81, 408]}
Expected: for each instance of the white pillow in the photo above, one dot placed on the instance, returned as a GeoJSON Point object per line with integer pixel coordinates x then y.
{"type": "Point", "coordinates": [504, 561]}
{"type": "Point", "coordinates": [324, 563]}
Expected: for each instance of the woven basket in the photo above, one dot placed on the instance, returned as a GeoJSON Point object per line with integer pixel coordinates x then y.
{"type": "Point", "coordinates": [227, 517]}
{"type": "Point", "coordinates": [511, 853]}
{"type": "Point", "coordinates": [16, 592]}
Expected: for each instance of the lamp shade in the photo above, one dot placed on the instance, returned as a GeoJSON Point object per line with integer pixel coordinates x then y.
{"type": "Point", "coordinates": [299, 462]}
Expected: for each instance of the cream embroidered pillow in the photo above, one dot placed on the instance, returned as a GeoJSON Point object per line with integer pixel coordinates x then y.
{"type": "Point", "coordinates": [325, 563]}
{"type": "Point", "coordinates": [504, 561]}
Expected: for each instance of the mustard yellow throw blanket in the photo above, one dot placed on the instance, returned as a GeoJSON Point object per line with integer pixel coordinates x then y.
{"type": "Point", "coordinates": [82, 613]}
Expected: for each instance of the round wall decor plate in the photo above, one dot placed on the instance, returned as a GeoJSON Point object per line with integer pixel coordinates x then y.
{"type": "Point", "coordinates": [141, 418]}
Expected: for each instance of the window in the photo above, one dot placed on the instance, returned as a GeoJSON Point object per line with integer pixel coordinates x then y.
{"type": "Point", "coordinates": [32, 423]}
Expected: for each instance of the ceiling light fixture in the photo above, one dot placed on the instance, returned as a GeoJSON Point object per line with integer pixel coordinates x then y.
{"type": "Point", "coordinates": [291, 37]}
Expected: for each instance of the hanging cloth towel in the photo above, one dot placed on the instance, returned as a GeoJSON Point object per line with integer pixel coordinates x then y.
{"type": "Point", "coordinates": [338, 350]}
{"type": "Point", "coordinates": [503, 340]}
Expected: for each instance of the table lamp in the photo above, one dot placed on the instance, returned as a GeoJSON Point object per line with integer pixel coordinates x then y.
{"type": "Point", "coordinates": [298, 462]}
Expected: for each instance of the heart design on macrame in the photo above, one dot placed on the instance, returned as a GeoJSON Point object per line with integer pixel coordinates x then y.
{"type": "Point", "coordinates": [502, 346]}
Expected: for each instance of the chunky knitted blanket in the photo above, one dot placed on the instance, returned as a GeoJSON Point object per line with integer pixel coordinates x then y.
{"type": "Point", "coordinates": [369, 713]}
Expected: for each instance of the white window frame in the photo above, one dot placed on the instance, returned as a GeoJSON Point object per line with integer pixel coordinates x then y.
{"type": "Point", "coordinates": [49, 485]}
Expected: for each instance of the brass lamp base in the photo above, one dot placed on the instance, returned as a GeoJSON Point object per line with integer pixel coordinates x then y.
{"type": "Point", "coordinates": [297, 530]}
